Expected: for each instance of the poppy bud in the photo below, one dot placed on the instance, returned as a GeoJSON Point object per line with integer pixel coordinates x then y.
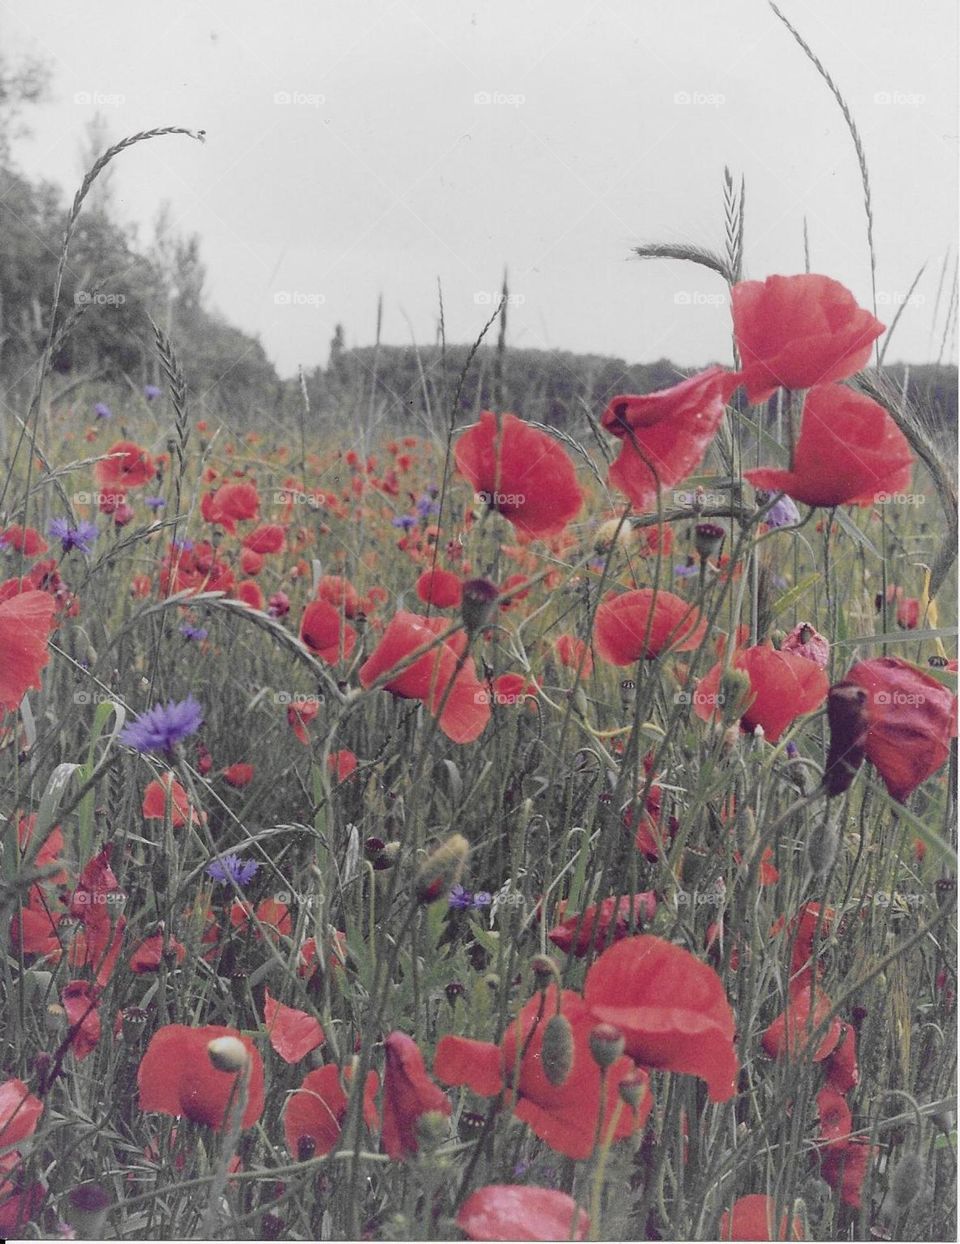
{"type": "Point", "coordinates": [735, 693]}
{"type": "Point", "coordinates": [730, 739]}
{"type": "Point", "coordinates": [606, 1044]}
{"type": "Point", "coordinates": [847, 715]}
{"type": "Point", "coordinates": [476, 605]}
{"type": "Point", "coordinates": [556, 1052]}
{"type": "Point", "coordinates": [579, 698]}
{"type": "Point", "coordinates": [907, 1181]}
{"type": "Point", "coordinates": [228, 1054]}
{"type": "Point", "coordinates": [708, 539]}
{"type": "Point", "coordinates": [442, 869]}
{"type": "Point", "coordinates": [545, 971]}
{"type": "Point", "coordinates": [87, 1208]}
{"type": "Point", "coordinates": [822, 846]}
{"type": "Point", "coordinates": [633, 1089]}
{"type": "Point", "coordinates": [454, 990]}
{"type": "Point", "coordinates": [433, 1128]}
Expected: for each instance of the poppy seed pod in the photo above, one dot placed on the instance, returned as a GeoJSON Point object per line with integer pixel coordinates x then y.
{"type": "Point", "coordinates": [907, 1180]}
{"type": "Point", "coordinates": [227, 1054]}
{"type": "Point", "coordinates": [847, 715]}
{"type": "Point", "coordinates": [633, 1088]}
{"type": "Point", "coordinates": [442, 869]}
{"type": "Point", "coordinates": [708, 539]}
{"type": "Point", "coordinates": [545, 971]}
{"type": "Point", "coordinates": [606, 1045]}
{"type": "Point", "coordinates": [557, 1050]}
{"type": "Point", "coordinates": [88, 1206]}
{"type": "Point", "coordinates": [735, 693]}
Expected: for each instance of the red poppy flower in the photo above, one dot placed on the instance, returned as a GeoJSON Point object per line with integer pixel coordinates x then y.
{"type": "Point", "coordinates": [440, 588]}
{"type": "Point", "coordinates": [267, 538]}
{"type": "Point", "coordinates": [50, 849]}
{"type": "Point", "coordinates": [574, 654]}
{"type": "Point", "coordinates": [843, 1074]}
{"type": "Point", "coordinates": [126, 466]}
{"type": "Point", "coordinates": [239, 775]}
{"type": "Point", "coordinates": [19, 1113]}
{"type": "Point", "coordinates": [790, 1033]}
{"type": "Point", "coordinates": [807, 642]}
{"type": "Point", "coordinates": [843, 1164]}
{"type": "Point", "coordinates": [230, 504]}
{"type": "Point", "coordinates": [251, 563]}
{"type": "Point", "coordinates": [799, 331]}
{"type": "Point", "coordinates": [783, 686]}
{"type": "Point", "coordinates": [155, 802]}
{"type": "Point", "coordinates": [324, 632]}
{"type": "Point", "coordinates": [26, 621]}
{"type": "Point", "coordinates": [801, 932]}
{"type": "Point", "coordinates": [521, 472]}
{"type": "Point", "coordinates": [521, 1212]}
{"type": "Point", "coordinates": [176, 1076]}
{"type": "Point", "coordinates": [340, 593]}
{"type": "Point", "coordinates": [910, 721]}
{"type": "Point", "coordinates": [849, 452]}
{"type": "Point", "coordinates": [342, 764]}
{"type": "Point", "coordinates": [835, 1119]}
{"type": "Point", "coordinates": [513, 689]}
{"type": "Point", "coordinates": [604, 923]}
{"type": "Point", "coordinates": [643, 624]}
{"type": "Point", "coordinates": [670, 1007]}
{"type": "Point", "coordinates": [314, 1113]}
{"type": "Point", "coordinates": [293, 1034]}
{"type": "Point", "coordinates": [751, 1218]}
{"type": "Point", "coordinates": [34, 929]}
{"type": "Point", "coordinates": [299, 715]}
{"type": "Point", "coordinates": [79, 1000]}
{"type": "Point", "coordinates": [565, 1115]}
{"type": "Point", "coordinates": [666, 434]}
{"type": "Point", "coordinates": [26, 540]}
{"type": "Point", "coordinates": [434, 677]}
{"type": "Point", "coordinates": [20, 1203]}
{"type": "Point", "coordinates": [408, 1093]}
{"type": "Point", "coordinates": [273, 915]}
{"type": "Point", "coordinates": [149, 954]}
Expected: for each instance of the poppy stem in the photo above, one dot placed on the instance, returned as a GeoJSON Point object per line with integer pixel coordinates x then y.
{"type": "Point", "coordinates": [603, 1153]}
{"type": "Point", "coordinates": [236, 1108]}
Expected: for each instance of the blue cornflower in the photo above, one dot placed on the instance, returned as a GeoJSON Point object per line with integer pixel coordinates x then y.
{"type": "Point", "coordinates": [193, 632]}
{"type": "Point", "coordinates": [154, 503]}
{"type": "Point", "coordinates": [231, 868]}
{"type": "Point", "coordinates": [184, 545]}
{"type": "Point", "coordinates": [150, 391]}
{"type": "Point", "coordinates": [158, 729]}
{"type": "Point", "coordinates": [782, 513]}
{"type": "Point", "coordinates": [686, 572]}
{"type": "Point", "coordinates": [80, 537]}
{"type": "Point", "coordinates": [103, 411]}
{"type": "Point", "coordinates": [792, 750]}
{"type": "Point", "coordinates": [426, 507]}
{"type": "Point", "coordinates": [404, 521]}
{"type": "Point", "coordinates": [463, 900]}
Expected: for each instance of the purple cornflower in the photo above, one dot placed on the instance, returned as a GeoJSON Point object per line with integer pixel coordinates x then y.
{"type": "Point", "coordinates": [193, 632]}
{"type": "Point", "coordinates": [158, 729]}
{"type": "Point", "coordinates": [687, 572]}
{"type": "Point", "coordinates": [184, 545]}
{"type": "Point", "coordinates": [426, 507]}
{"type": "Point", "coordinates": [154, 503]}
{"type": "Point", "coordinates": [782, 513]}
{"type": "Point", "coordinates": [463, 900]}
{"type": "Point", "coordinates": [151, 391]}
{"type": "Point", "coordinates": [103, 411]}
{"type": "Point", "coordinates": [80, 537]}
{"type": "Point", "coordinates": [232, 869]}
{"type": "Point", "coordinates": [404, 521]}
{"type": "Point", "coordinates": [792, 750]}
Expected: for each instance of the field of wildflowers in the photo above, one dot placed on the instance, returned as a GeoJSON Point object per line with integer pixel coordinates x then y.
{"type": "Point", "coordinates": [486, 833]}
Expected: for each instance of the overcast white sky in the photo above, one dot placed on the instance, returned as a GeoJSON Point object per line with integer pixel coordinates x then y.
{"type": "Point", "coordinates": [359, 148]}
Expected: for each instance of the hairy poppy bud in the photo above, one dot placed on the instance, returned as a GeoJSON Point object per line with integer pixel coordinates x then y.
{"type": "Point", "coordinates": [442, 869]}
{"type": "Point", "coordinates": [708, 539]}
{"type": "Point", "coordinates": [633, 1089]}
{"type": "Point", "coordinates": [735, 693]}
{"type": "Point", "coordinates": [228, 1054]}
{"type": "Point", "coordinates": [556, 1052]}
{"type": "Point", "coordinates": [822, 846]}
{"type": "Point", "coordinates": [606, 1044]}
{"type": "Point", "coordinates": [907, 1180]}
{"type": "Point", "coordinates": [545, 971]}
{"type": "Point", "coordinates": [847, 715]}
{"type": "Point", "coordinates": [87, 1208]}
{"type": "Point", "coordinates": [477, 603]}
{"type": "Point", "coordinates": [433, 1128]}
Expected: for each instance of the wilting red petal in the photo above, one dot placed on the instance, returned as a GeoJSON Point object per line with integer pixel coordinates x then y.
{"type": "Point", "coordinates": [574, 654]}
{"type": "Point", "coordinates": [849, 452]}
{"type": "Point", "coordinates": [293, 1034]}
{"type": "Point", "coordinates": [642, 624]}
{"type": "Point", "coordinates": [476, 1064]}
{"type": "Point", "coordinates": [669, 431]}
{"type": "Point", "coordinates": [176, 1076]}
{"type": "Point", "coordinates": [154, 803]}
{"type": "Point", "coordinates": [19, 1112]}
{"type": "Point", "coordinates": [799, 331]}
{"type": "Point", "coordinates": [314, 1113]}
{"type": "Point", "coordinates": [80, 1003]}
{"type": "Point", "coordinates": [149, 954]}
{"type": "Point", "coordinates": [324, 632]}
{"type": "Point", "coordinates": [522, 472]}
{"type": "Point", "coordinates": [521, 1212]}
{"type": "Point", "coordinates": [843, 1074]}
{"type": "Point", "coordinates": [670, 1007]}
{"type": "Point", "coordinates": [26, 621]}
{"type": "Point", "coordinates": [595, 923]}
{"type": "Point", "coordinates": [784, 686]}
{"type": "Point", "coordinates": [408, 1092]}
{"type": "Point", "coordinates": [790, 1033]}
{"type": "Point", "coordinates": [910, 721]}
{"type": "Point", "coordinates": [752, 1219]}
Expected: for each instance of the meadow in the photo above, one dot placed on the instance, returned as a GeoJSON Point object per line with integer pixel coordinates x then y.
{"type": "Point", "coordinates": [482, 829]}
